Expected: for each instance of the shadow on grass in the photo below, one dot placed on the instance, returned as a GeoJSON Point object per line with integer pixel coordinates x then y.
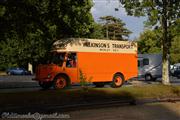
{"type": "Point", "coordinates": [40, 100]}
{"type": "Point", "coordinates": [52, 100]}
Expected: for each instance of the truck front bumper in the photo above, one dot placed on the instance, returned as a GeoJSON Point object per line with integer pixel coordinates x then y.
{"type": "Point", "coordinates": [42, 79]}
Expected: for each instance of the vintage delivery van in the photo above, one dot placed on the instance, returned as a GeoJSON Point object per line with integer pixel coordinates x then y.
{"type": "Point", "coordinates": [100, 61]}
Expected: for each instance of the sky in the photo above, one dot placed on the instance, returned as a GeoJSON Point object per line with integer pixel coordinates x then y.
{"type": "Point", "coordinates": [107, 8]}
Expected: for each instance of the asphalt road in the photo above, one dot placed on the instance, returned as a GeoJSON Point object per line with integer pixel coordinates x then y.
{"type": "Point", "coordinates": [151, 111]}
{"type": "Point", "coordinates": [24, 83]}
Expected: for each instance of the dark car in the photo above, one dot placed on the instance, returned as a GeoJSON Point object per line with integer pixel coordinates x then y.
{"type": "Point", "coordinates": [17, 71]}
{"type": "Point", "coordinates": [175, 71]}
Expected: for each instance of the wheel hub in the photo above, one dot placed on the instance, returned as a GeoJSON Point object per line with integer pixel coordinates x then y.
{"type": "Point", "coordinates": [60, 83]}
{"type": "Point", "coordinates": [118, 81]}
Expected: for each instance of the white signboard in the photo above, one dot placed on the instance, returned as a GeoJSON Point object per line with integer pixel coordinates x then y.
{"type": "Point", "coordinates": [94, 45]}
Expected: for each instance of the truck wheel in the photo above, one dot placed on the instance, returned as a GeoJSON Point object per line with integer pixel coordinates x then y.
{"type": "Point", "coordinates": [45, 85]}
{"type": "Point", "coordinates": [60, 82]}
{"type": "Point", "coordinates": [148, 77]}
{"type": "Point", "coordinates": [118, 80]}
{"type": "Point", "coordinates": [98, 84]}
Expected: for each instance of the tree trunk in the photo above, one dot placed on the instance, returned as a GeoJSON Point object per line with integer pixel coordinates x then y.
{"type": "Point", "coordinates": [165, 59]}
{"type": "Point", "coordinates": [114, 36]}
{"type": "Point", "coordinates": [107, 33]}
{"type": "Point", "coordinates": [165, 70]}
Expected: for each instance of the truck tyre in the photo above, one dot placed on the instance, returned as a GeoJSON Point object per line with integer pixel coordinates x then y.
{"type": "Point", "coordinates": [45, 85]}
{"type": "Point", "coordinates": [99, 84]}
{"type": "Point", "coordinates": [60, 82]}
{"type": "Point", "coordinates": [148, 77]}
{"type": "Point", "coordinates": [118, 80]}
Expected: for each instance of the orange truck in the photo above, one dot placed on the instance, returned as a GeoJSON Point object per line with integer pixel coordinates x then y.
{"type": "Point", "coordinates": [100, 61]}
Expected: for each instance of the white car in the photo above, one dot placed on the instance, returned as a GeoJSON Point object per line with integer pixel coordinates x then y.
{"type": "Point", "coordinates": [175, 70]}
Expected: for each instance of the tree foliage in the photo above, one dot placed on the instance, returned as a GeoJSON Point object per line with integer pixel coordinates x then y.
{"type": "Point", "coordinates": [175, 50]}
{"type": "Point", "coordinates": [29, 27]}
{"type": "Point", "coordinates": [162, 13]}
{"type": "Point", "coordinates": [97, 31]}
{"type": "Point", "coordinates": [150, 42]}
{"type": "Point", "coordinates": [175, 44]}
{"type": "Point", "coordinates": [114, 28]}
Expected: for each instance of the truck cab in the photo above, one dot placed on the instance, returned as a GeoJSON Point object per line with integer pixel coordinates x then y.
{"type": "Point", "coordinates": [60, 69]}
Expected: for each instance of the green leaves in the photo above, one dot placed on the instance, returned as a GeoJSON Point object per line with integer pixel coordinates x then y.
{"type": "Point", "coordinates": [97, 31]}
{"type": "Point", "coordinates": [175, 44]}
{"type": "Point", "coordinates": [114, 28]}
{"type": "Point", "coordinates": [150, 42]}
{"type": "Point", "coordinates": [29, 27]}
{"type": "Point", "coordinates": [2, 10]}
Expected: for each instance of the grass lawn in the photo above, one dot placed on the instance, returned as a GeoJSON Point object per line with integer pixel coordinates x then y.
{"type": "Point", "coordinates": [73, 96]}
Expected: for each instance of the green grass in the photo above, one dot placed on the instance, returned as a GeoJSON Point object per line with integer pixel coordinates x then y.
{"type": "Point", "coordinates": [149, 91]}
{"type": "Point", "coordinates": [72, 96]}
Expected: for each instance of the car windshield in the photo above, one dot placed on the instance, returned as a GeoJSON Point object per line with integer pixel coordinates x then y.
{"type": "Point", "coordinates": [57, 58]}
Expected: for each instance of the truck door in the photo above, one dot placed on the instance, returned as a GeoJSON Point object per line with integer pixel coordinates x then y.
{"type": "Point", "coordinates": [71, 67]}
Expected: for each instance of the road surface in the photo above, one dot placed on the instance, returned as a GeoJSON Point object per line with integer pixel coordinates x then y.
{"type": "Point", "coordinates": [151, 111]}
{"type": "Point", "coordinates": [25, 83]}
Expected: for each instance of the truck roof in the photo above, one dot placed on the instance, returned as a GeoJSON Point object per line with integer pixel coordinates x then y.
{"type": "Point", "coordinates": [94, 45]}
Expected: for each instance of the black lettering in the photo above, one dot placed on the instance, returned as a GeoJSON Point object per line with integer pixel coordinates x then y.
{"type": "Point", "coordinates": [86, 44]}
{"type": "Point", "coordinates": [98, 45]}
{"type": "Point", "coordinates": [108, 46]}
{"type": "Point", "coordinates": [122, 46]}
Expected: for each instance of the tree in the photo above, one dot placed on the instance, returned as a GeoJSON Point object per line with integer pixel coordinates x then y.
{"type": "Point", "coordinates": [114, 28]}
{"type": "Point", "coordinates": [29, 27]}
{"type": "Point", "coordinates": [175, 50]}
{"type": "Point", "coordinates": [175, 44]}
{"type": "Point", "coordinates": [97, 31]}
{"type": "Point", "coordinates": [150, 42]}
{"type": "Point", "coordinates": [160, 13]}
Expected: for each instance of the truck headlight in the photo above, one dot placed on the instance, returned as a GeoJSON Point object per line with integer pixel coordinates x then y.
{"type": "Point", "coordinates": [49, 76]}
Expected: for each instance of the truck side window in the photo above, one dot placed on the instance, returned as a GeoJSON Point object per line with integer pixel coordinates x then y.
{"type": "Point", "coordinates": [145, 61]}
{"type": "Point", "coordinates": [71, 60]}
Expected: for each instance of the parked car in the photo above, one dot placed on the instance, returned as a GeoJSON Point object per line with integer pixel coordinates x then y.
{"type": "Point", "coordinates": [150, 66]}
{"type": "Point", "coordinates": [17, 71]}
{"type": "Point", "coordinates": [175, 70]}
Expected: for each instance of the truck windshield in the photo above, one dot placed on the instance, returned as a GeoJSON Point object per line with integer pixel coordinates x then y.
{"type": "Point", "coordinates": [57, 58]}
